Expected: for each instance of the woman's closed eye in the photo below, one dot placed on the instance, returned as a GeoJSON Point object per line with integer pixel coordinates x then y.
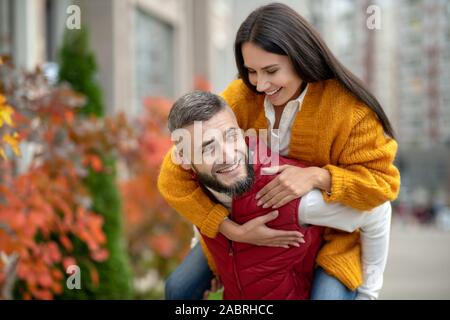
{"type": "Point", "coordinates": [271, 71]}
{"type": "Point", "coordinates": [267, 71]}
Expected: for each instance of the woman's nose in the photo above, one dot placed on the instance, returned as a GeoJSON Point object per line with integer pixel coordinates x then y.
{"type": "Point", "coordinates": [262, 84]}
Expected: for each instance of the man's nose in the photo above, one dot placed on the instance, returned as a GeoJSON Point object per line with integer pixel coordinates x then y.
{"type": "Point", "coordinates": [229, 153]}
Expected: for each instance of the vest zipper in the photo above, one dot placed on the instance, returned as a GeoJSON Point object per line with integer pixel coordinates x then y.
{"type": "Point", "coordinates": [233, 258]}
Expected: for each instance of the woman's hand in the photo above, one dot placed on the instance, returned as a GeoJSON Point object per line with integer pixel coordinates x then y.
{"type": "Point", "coordinates": [292, 182]}
{"type": "Point", "coordinates": [257, 233]}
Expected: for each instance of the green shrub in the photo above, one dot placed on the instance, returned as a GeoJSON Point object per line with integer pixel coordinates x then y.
{"type": "Point", "coordinates": [78, 68]}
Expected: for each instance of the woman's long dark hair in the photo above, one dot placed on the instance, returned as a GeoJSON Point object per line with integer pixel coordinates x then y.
{"type": "Point", "coordinates": [278, 29]}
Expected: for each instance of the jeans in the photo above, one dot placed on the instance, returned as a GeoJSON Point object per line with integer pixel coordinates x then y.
{"type": "Point", "coordinates": [190, 280]}
{"type": "Point", "coordinates": [326, 287]}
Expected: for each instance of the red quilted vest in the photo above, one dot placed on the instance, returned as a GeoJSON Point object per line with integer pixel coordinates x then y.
{"type": "Point", "coordinates": [258, 272]}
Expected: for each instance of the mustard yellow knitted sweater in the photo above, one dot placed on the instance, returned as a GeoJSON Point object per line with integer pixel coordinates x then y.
{"type": "Point", "coordinates": [333, 130]}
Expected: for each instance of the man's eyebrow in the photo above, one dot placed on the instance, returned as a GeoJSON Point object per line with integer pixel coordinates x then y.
{"type": "Point", "coordinates": [266, 67]}
{"type": "Point", "coordinates": [230, 130]}
{"type": "Point", "coordinates": [204, 144]}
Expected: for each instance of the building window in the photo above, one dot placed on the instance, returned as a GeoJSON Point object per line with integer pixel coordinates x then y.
{"type": "Point", "coordinates": [154, 57]}
{"type": "Point", "coordinates": [50, 30]}
{"type": "Point", "coordinates": [6, 28]}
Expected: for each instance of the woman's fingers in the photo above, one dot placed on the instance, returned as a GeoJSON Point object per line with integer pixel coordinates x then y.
{"type": "Point", "coordinates": [272, 184]}
{"type": "Point", "coordinates": [277, 198]}
{"type": "Point", "coordinates": [220, 284]}
{"type": "Point", "coordinates": [214, 286]}
{"type": "Point", "coordinates": [284, 241]}
{"type": "Point", "coordinates": [268, 187]}
{"type": "Point", "coordinates": [283, 201]}
{"type": "Point", "coordinates": [286, 234]}
{"type": "Point", "coordinates": [271, 194]}
{"type": "Point", "coordinates": [265, 218]}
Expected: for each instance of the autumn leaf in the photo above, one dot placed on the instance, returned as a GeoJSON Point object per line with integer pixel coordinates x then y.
{"type": "Point", "coordinates": [45, 280]}
{"type": "Point", "coordinates": [163, 244]}
{"type": "Point", "coordinates": [65, 241]}
{"type": "Point", "coordinates": [57, 274]}
{"type": "Point", "coordinates": [5, 114]}
{"type": "Point", "coordinates": [57, 287]}
{"type": "Point", "coordinates": [94, 162]}
{"type": "Point", "coordinates": [3, 154]}
{"type": "Point", "coordinates": [68, 261]}
{"type": "Point", "coordinates": [13, 142]}
{"type": "Point", "coordinates": [100, 255]}
{"type": "Point", "coordinates": [69, 116]}
{"type": "Point", "coordinates": [94, 276]}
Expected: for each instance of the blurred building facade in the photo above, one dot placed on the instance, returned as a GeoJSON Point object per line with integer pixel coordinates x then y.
{"type": "Point", "coordinates": [422, 98]}
{"type": "Point", "coordinates": [143, 47]}
{"type": "Point", "coordinates": [423, 55]}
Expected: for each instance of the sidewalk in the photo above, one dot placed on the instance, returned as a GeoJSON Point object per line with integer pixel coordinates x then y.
{"type": "Point", "coordinates": [419, 263]}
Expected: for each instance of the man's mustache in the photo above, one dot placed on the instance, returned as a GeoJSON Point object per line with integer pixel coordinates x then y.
{"type": "Point", "coordinates": [240, 158]}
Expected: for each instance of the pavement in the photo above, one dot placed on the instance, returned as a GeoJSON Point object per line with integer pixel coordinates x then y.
{"type": "Point", "coordinates": [419, 263]}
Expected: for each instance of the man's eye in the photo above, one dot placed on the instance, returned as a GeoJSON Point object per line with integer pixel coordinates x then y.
{"type": "Point", "coordinates": [209, 148]}
{"type": "Point", "coordinates": [232, 136]}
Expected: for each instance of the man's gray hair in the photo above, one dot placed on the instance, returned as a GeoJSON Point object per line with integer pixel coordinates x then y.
{"type": "Point", "coordinates": [194, 106]}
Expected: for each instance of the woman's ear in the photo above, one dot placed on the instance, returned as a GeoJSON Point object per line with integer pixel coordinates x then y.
{"type": "Point", "coordinates": [178, 158]}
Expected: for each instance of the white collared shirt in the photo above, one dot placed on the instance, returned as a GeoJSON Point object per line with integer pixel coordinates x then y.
{"type": "Point", "coordinates": [282, 136]}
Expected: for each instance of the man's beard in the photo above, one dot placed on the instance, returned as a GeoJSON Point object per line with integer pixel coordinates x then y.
{"type": "Point", "coordinates": [233, 190]}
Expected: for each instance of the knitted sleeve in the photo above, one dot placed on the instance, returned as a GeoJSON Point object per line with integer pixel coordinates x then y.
{"type": "Point", "coordinates": [365, 176]}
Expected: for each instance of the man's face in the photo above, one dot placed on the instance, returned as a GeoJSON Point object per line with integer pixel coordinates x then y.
{"type": "Point", "coordinates": [223, 154]}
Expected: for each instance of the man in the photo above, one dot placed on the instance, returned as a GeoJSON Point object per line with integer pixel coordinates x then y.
{"type": "Point", "coordinates": [217, 158]}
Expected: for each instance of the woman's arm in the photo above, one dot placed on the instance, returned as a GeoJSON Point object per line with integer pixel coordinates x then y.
{"type": "Point", "coordinates": [365, 175]}
{"type": "Point", "coordinates": [182, 192]}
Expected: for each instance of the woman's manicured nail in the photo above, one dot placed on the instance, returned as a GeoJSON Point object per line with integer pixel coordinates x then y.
{"type": "Point", "coordinates": [259, 203]}
{"type": "Point", "coordinates": [302, 241]}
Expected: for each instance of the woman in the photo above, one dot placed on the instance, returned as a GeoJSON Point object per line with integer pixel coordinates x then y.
{"type": "Point", "coordinates": [289, 80]}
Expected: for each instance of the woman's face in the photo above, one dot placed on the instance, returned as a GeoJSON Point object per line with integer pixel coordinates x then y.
{"type": "Point", "coordinates": [271, 73]}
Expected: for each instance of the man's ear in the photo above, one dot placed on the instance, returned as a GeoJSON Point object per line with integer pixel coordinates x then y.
{"type": "Point", "coordinates": [180, 159]}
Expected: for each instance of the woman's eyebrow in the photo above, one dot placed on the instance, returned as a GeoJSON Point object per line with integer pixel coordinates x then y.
{"type": "Point", "coordinates": [264, 68]}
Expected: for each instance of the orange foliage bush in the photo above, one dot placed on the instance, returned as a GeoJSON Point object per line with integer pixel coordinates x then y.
{"type": "Point", "coordinates": [151, 225]}
{"type": "Point", "coordinates": [44, 207]}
